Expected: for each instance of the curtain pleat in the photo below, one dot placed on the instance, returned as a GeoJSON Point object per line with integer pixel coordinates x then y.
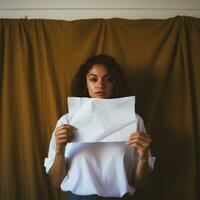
{"type": "Point", "coordinates": [160, 58]}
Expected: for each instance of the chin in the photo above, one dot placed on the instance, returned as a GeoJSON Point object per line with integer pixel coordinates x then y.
{"type": "Point", "coordinates": [100, 97]}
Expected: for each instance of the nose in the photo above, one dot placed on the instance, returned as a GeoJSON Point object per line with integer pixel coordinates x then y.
{"type": "Point", "coordinates": [100, 84]}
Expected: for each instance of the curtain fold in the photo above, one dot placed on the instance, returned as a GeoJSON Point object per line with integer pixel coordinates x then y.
{"type": "Point", "coordinates": [160, 58]}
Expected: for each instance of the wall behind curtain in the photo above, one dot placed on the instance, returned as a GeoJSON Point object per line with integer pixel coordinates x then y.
{"type": "Point", "coordinates": [160, 58]}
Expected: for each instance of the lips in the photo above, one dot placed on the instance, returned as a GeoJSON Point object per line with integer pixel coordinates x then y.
{"type": "Point", "coordinates": [100, 93]}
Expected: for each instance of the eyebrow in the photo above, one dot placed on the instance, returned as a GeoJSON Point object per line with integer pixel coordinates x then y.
{"type": "Point", "coordinates": [92, 75]}
{"type": "Point", "coordinates": [97, 75]}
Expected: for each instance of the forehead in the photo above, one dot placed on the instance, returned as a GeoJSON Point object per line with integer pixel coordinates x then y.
{"type": "Point", "coordinates": [99, 70]}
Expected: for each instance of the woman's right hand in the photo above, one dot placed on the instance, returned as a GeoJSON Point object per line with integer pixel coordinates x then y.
{"type": "Point", "coordinates": [63, 135]}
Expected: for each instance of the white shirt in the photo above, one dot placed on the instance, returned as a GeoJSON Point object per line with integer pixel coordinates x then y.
{"type": "Point", "coordinates": [105, 169]}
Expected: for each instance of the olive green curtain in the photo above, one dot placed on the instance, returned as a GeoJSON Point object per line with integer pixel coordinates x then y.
{"type": "Point", "coordinates": [161, 59]}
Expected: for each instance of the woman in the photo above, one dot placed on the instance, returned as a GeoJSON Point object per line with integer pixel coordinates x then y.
{"type": "Point", "coordinates": [98, 170]}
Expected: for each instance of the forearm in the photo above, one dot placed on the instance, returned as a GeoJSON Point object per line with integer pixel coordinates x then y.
{"type": "Point", "coordinates": [140, 142]}
{"type": "Point", "coordinates": [58, 170]}
{"type": "Point", "coordinates": [142, 173]}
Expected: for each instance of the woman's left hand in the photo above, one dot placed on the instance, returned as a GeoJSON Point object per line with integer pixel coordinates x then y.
{"type": "Point", "coordinates": [141, 142]}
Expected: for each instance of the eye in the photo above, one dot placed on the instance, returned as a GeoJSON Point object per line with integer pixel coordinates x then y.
{"type": "Point", "coordinates": [93, 79]}
{"type": "Point", "coordinates": [109, 79]}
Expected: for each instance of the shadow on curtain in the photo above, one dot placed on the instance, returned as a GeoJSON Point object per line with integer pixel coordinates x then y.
{"type": "Point", "coordinates": [38, 59]}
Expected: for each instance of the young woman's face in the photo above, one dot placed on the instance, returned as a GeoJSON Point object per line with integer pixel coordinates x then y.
{"type": "Point", "coordinates": [99, 82]}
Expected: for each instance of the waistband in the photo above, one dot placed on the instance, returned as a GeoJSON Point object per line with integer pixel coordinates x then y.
{"type": "Point", "coordinates": [72, 196]}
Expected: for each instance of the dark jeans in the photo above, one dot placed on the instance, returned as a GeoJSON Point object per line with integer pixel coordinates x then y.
{"type": "Point", "coordinates": [72, 196]}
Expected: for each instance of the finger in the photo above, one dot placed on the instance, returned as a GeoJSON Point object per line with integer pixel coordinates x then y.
{"type": "Point", "coordinates": [135, 146]}
{"type": "Point", "coordinates": [62, 136]}
{"type": "Point", "coordinates": [64, 133]}
{"type": "Point", "coordinates": [64, 130]}
{"type": "Point", "coordinates": [60, 141]}
{"type": "Point", "coordinates": [144, 137]}
{"type": "Point", "coordinates": [68, 126]}
{"type": "Point", "coordinates": [65, 137]}
{"type": "Point", "coordinates": [140, 139]}
{"type": "Point", "coordinates": [63, 127]}
{"type": "Point", "coordinates": [138, 146]}
{"type": "Point", "coordinates": [141, 142]}
{"type": "Point", "coordinates": [139, 134]}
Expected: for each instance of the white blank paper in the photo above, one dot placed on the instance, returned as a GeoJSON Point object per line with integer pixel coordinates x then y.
{"type": "Point", "coordinates": [102, 120]}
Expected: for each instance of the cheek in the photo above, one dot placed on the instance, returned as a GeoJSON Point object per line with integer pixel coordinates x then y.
{"type": "Point", "coordinates": [90, 86]}
{"type": "Point", "coordinates": [110, 89]}
{"type": "Point", "coordinates": [110, 86]}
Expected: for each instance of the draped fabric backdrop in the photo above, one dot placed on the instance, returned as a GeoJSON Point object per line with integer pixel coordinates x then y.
{"type": "Point", "coordinates": [161, 59]}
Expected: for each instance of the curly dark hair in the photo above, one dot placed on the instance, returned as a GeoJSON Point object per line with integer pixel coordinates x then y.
{"type": "Point", "coordinates": [79, 84]}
